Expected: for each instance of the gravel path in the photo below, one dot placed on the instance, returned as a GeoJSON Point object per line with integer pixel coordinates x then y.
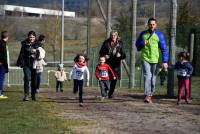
{"type": "Point", "coordinates": [127, 114]}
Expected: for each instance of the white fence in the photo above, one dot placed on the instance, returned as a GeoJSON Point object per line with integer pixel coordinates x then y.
{"type": "Point", "coordinates": [16, 76]}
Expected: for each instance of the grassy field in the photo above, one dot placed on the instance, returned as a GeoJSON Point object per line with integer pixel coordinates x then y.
{"type": "Point", "coordinates": [44, 116]}
{"type": "Point", "coordinates": [40, 117]}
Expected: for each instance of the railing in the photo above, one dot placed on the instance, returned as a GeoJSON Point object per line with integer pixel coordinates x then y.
{"type": "Point", "coordinates": [16, 76]}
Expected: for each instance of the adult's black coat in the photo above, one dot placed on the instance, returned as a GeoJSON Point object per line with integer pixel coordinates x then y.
{"type": "Point", "coordinates": [27, 54]}
{"type": "Point", "coordinates": [3, 55]}
{"type": "Point", "coordinates": [113, 60]}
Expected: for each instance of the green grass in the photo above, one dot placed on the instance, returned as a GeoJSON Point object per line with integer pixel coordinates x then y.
{"type": "Point", "coordinates": [40, 117]}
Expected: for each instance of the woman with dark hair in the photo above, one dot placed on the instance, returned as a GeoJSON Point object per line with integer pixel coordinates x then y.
{"type": "Point", "coordinates": [112, 49]}
{"type": "Point", "coordinates": [25, 61]}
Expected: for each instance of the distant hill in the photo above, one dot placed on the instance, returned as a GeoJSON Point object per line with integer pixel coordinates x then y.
{"type": "Point", "coordinates": [145, 6]}
{"type": "Point", "coordinates": [34, 3]}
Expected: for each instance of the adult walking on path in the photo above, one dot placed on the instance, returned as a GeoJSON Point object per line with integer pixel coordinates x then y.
{"type": "Point", "coordinates": [3, 61]}
{"type": "Point", "coordinates": [150, 42]}
{"type": "Point", "coordinates": [25, 60]}
{"type": "Point", "coordinates": [112, 49]}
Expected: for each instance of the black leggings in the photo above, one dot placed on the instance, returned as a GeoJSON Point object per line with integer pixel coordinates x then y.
{"type": "Point", "coordinates": [78, 85]}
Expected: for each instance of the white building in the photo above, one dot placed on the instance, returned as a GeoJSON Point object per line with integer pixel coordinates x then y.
{"type": "Point", "coordinates": [8, 9]}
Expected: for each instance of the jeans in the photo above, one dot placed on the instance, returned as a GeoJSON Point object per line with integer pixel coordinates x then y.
{"type": "Point", "coordinates": [59, 84]}
{"type": "Point", "coordinates": [149, 74]}
{"type": "Point", "coordinates": [2, 77]}
{"type": "Point", "coordinates": [38, 80]}
{"type": "Point", "coordinates": [29, 75]}
{"type": "Point", "coordinates": [105, 87]}
{"type": "Point", "coordinates": [78, 85]}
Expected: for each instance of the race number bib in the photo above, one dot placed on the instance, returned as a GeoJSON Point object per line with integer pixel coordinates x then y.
{"type": "Point", "coordinates": [103, 73]}
{"type": "Point", "coordinates": [79, 74]}
{"type": "Point", "coordinates": [182, 72]}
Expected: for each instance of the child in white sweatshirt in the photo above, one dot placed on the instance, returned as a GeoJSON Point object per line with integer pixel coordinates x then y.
{"type": "Point", "coordinates": [77, 73]}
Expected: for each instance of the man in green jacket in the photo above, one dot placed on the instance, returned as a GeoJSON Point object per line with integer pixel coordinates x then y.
{"type": "Point", "coordinates": [151, 42]}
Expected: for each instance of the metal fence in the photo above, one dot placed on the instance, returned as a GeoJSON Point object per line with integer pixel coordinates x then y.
{"type": "Point", "coordinates": [15, 77]}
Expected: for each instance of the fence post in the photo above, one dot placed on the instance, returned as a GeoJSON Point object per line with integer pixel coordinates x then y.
{"type": "Point", "coordinates": [48, 78]}
{"type": "Point", "coordinates": [191, 51]}
{"type": "Point", "coordinates": [8, 61]}
{"type": "Point", "coordinates": [93, 68]}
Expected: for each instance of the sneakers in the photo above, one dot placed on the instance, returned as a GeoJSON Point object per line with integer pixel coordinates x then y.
{"type": "Point", "coordinates": [3, 97]}
{"type": "Point", "coordinates": [37, 91]}
{"type": "Point", "coordinates": [178, 102]}
{"type": "Point", "coordinates": [188, 102]}
{"type": "Point", "coordinates": [102, 98]}
{"type": "Point", "coordinates": [110, 96]}
{"type": "Point", "coordinates": [81, 104]}
{"type": "Point", "coordinates": [148, 99]}
{"type": "Point", "coordinates": [33, 97]}
{"type": "Point", "coordinates": [26, 98]}
{"type": "Point", "coordinates": [61, 90]}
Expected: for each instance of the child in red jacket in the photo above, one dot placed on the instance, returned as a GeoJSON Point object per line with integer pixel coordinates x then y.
{"type": "Point", "coordinates": [102, 73]}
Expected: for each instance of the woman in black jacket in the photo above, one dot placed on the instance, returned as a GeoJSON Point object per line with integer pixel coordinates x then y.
{"type": "Point", "coordinates": [25, 61]}
{"type": "Point", "coordinates": [112, 49]}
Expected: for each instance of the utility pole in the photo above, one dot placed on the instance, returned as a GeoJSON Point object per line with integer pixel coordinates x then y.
{"type": "Point", "coordinates": [88, 27]}
{"type": "Point", "coordinates": [108, 26]}
{"type": "Point", "coordinates": [173, 18]}
{"type": "Point", "coordinates": [62, 27]}
{"type": "Point", "coordinates": [133, 48]}
{"type": "Point", "coordinates": [154, 9]}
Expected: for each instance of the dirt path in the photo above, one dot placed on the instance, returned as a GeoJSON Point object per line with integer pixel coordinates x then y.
{"type": "Point", "coordinates": [127, 114]}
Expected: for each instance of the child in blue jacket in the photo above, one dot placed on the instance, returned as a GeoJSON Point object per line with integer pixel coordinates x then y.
{"type": "Point", "coordinates": [184, 71]}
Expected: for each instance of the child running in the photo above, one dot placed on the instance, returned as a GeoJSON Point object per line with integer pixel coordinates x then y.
{"type": "Point", "coordinates": [102, 73]}
{"type": "Point", "coordinates": [184, 71]}
{"type": "Point", "coordinates": [77, 74]}
{"type": "Point", "coordinates": [60, 77]}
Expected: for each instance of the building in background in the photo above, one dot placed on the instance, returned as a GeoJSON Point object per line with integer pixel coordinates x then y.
{"type": "Point", "coordinates": [13, 10]}
{"type": "Point", "coordinates": [78, 6]}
